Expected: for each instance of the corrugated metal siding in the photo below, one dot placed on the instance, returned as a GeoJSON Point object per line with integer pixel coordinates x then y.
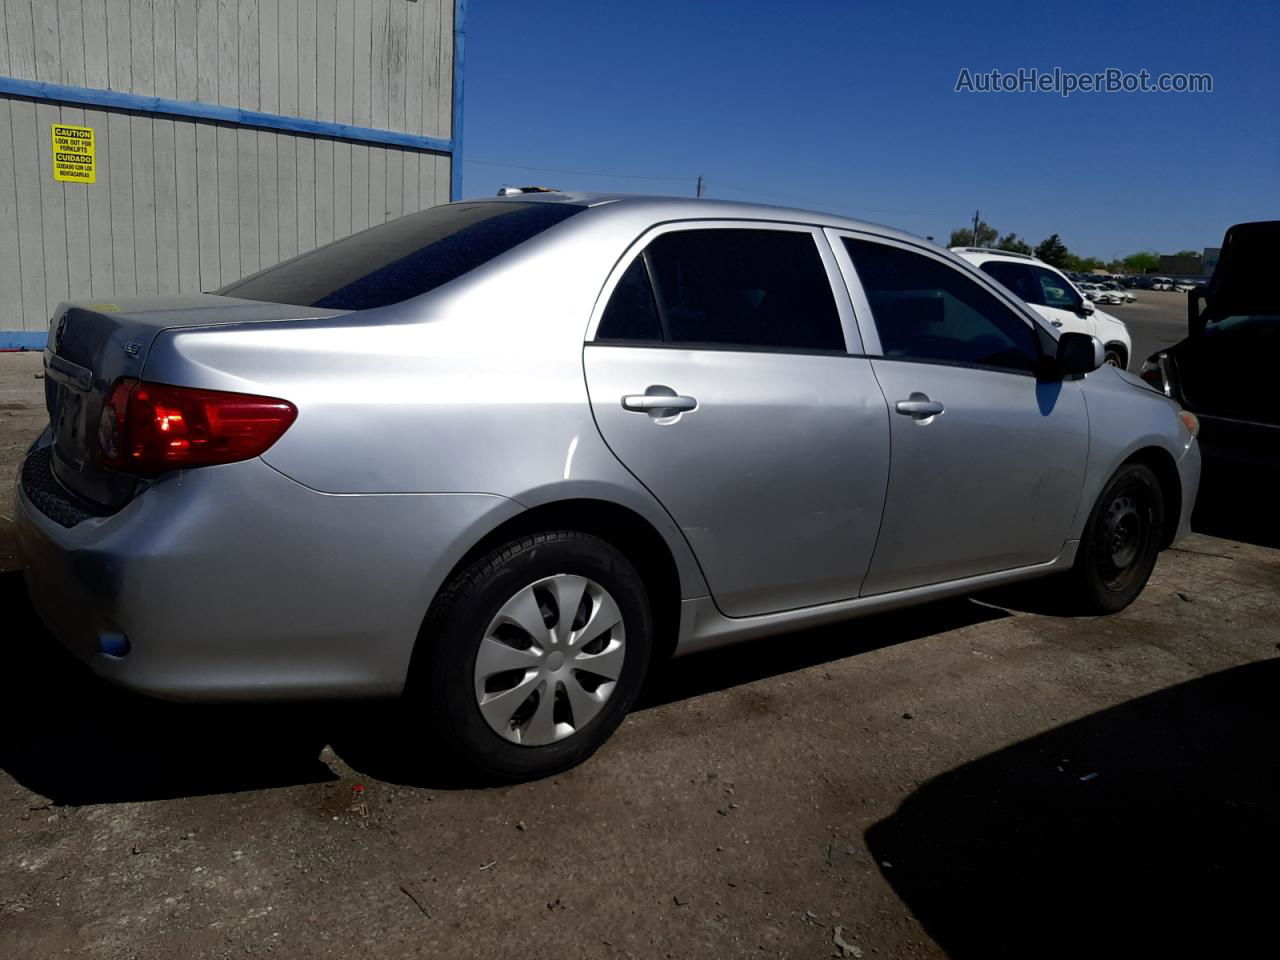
{"type": "Point", "coordinates": [189, 205]}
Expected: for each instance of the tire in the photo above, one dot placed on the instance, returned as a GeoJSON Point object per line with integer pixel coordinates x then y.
{"type": "Point", "coordinates": [1121, 540]}
{"type": "Point", "coordinates": [544, 711]}
{"type": "Point", "coordinates": [1114, 358]}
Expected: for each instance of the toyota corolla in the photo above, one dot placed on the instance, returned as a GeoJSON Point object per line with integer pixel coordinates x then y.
{"type": "Point", "coordinates": [500, 457]}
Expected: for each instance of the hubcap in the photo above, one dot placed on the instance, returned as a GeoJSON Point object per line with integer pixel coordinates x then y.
{"type": "Point", "coordinates": [549, 660]}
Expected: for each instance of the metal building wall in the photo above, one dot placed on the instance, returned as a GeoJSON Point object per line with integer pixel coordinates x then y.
{"type": "Point", "coordinates": [183, 203]}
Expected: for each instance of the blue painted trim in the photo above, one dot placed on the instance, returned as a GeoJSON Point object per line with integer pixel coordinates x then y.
{"type": "Point", "coordinates": [191, 110]}
{"type": "Point", "coordinates": [23, 339]}
{"type": "Point", "coordinates": [455, 126]}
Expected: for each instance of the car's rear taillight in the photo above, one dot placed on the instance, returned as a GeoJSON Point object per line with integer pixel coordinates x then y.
{"type": "Point", "coordinates": [148, 428]}
{"type": "Point", "coordinates": [1153, 373]}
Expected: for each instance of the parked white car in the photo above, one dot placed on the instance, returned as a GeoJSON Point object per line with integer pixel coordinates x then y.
{"type": "Point", "coordinates": [1185, 286]}
{"type": "Point", "coordinates": [1102, 292]}
{"type": "Point", "coordinates": [1048, 291]}
{"type": "Point", "coordinates": [1161, 283]}
{"type": "Point", "coordinates": [1124, 295]}
{"type": "Point", "coordinates": [1095, 292]}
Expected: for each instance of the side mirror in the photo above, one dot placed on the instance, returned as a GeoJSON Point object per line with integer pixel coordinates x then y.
{"type": "Point", "coordinates": [1086, 308]}
{"type": "Point", "coordinates": [1078, 354]}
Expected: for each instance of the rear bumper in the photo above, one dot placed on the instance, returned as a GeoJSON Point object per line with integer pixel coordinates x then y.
{"type": "Point", "coordinates": [235, 582]}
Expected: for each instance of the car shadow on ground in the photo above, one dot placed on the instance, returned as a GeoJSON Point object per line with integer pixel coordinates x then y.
{"type": "Point", "coordinates": [698, 674]}
{"type": "Point", "coordinates": [702, 673]}
{"type": "Point", "coordinates": [1149, 829]}
{"type": "Point", "coordinates": [77, 740]}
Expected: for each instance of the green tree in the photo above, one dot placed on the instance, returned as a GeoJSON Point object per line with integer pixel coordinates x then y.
{"type": "Point", "coordinates": [964, 237]}
{"type": "Point", "coordinates": [1082, 264]}
{"type": "Point", "coordinates": [1142, 261]}
{"type": "Point", "coordinates": [1188, 253]}
{"type": "Point", "coordinates": [1011, 243]}
{"type": "Point", "coordinates": [1053, 251]}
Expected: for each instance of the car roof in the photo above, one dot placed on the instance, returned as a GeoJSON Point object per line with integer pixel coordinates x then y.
{"type": "Point", "coordinates": [976, 255]}
{"type": "Point", "coordinates": [661, 208]}
{"type": "Point", "coordinates": [632, 209]}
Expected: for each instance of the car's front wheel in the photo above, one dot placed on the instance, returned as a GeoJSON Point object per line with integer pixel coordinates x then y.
{"type": "Point", "coordinates": [533, 654]}
{"type": "Point", "coordinates": [1121, 540]}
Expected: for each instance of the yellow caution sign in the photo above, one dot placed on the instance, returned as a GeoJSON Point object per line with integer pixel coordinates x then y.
{"type": "Point", "coordinates": [73, 154]}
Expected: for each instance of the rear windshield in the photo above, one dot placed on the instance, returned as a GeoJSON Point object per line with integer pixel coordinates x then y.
{"type": "Point", "coordinates": [403, 258]}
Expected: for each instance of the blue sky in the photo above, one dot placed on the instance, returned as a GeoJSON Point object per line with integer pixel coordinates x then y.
{"type": "Point", "coordinates": [850, 107]}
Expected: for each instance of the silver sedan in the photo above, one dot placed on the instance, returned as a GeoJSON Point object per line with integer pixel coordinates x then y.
{"type": "Point", "coordinates": [500, 457]}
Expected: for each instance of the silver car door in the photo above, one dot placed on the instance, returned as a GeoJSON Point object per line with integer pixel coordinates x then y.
{"type": "Point", "coordinates": [988, 460]}
{"type": "Point", "coordinates": [732, 396]}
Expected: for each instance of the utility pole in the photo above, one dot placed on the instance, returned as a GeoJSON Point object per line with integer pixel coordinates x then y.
{"type": "Point", "coordinates": [975, 228]}
{"type": "Point", "coordinates": [699, 193]}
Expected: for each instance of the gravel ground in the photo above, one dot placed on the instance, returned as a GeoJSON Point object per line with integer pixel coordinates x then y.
{"type": "Point", "coordinates": [979, 778]}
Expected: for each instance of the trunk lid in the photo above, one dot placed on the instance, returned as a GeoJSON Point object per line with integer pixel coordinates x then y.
{"type": "Point", "coordinates": [92, 345]}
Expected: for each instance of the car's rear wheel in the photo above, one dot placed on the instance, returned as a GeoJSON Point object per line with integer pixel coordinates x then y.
{"type": "Point", "coordinates": [1121, 540]}
{"type": "Point", "coordinates": [533, 654]}
{"type": "Point", "coordinates": [1114, 358]}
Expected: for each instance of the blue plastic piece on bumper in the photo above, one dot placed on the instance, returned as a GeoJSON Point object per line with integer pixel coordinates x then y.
{"type": "Point", "coordinates": [114, 644]}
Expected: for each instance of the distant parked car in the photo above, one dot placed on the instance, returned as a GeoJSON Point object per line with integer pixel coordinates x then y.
{"type": "Point", "coordinates": [1123, 295]}
{"type": "Point", "coordinates": [1054, 297]}
{"type": "Point", "coordinates": [1100, 294]}
{"type": "Point", "coordinates": [1224, 370]}
{"type": "Point", "coordinates": [1091, 291]}
{"type": "Point", "coordinates": [1186, 285]}
{"type": "Point", "coordinates": [1161, 283]}
{"type": "Point", "coordinates": [501, 456]}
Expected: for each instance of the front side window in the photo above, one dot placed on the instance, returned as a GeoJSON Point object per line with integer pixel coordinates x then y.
{"type": "Point", "coordinates": [926, 310]}
{"type": "Point", "coordinates": [1035, 285]}
{"type": "Point", "coordinates": [731, 287]}
{"type": "Point", "coordinates": [403, 258]}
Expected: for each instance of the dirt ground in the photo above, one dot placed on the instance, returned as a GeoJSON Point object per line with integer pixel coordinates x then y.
{"type": "Point", "coordinates": [979, 778]}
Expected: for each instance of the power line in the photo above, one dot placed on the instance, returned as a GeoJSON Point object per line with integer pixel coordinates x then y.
{"type": "Point", "coordinates": [703, 184]}
{"type": "Point", "coordinates": [576, 173]}
{"type": "Point", "coordinates": [792, 198]}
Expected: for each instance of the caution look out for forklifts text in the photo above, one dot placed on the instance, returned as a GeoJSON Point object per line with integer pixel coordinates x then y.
{"type": "Point", "coordinates": [73, 154]}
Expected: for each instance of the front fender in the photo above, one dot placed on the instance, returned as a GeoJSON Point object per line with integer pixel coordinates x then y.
{"type": "Point", "coordinates": [1126, 418]}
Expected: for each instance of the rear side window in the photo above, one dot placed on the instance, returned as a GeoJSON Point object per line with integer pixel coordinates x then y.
{"type": "Point", "coordinates": [632, 313]}
{"type": "Point", "coordinates": [926, 310]}
{"type": "Point", "coordinates": [735, 288]}
{"type": "Point", "coordinates": [403, 258]}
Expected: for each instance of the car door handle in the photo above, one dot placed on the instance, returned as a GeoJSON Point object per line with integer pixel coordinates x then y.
{"type": "Point", "coordinates": [647, 402]}
{"type": "Point", "coordinates": [1056, 323]}
{"type": "Point", "coordinates": [919, 406]}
